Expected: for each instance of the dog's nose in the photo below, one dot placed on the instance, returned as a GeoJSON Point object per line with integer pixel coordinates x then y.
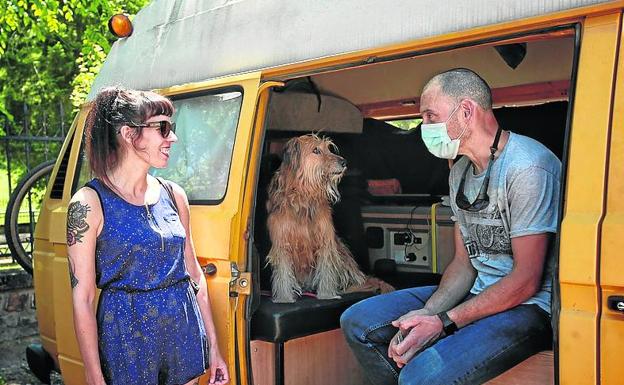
{"type": "Point", "coordinates": [343, 162]}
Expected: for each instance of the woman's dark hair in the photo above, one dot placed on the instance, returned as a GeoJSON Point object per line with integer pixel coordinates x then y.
{"type": "Point", "coordinates": [113, 108]}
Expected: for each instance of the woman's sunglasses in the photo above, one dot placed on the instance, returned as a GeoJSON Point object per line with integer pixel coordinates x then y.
{"type": "Point", "coordinates": [165, 127]}
{"type": "Point", "coordinates": [483, 199]}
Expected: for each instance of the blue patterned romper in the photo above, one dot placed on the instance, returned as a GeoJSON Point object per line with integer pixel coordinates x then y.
{"type": "Point", "coordinates": [150, 328]}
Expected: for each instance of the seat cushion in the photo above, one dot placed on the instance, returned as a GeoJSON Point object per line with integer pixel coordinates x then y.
{"type": "Point", "coordinates": [280, 322]}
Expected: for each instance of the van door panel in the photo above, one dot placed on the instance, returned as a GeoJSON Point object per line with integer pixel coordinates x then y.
{"type": "Point", "coordinates": [612, 243]}
{"type": "Point", "coordinates": [584, 201]}
{"type": "Point", "coordinates": [50, 247]}
{"type": "Point", "coordinates": [69, 357]}
{"type": "Point", "coordinates": [218, 229]}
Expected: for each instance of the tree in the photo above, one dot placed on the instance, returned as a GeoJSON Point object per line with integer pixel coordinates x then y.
{"type": "Point", "coordinates": [50, 52]}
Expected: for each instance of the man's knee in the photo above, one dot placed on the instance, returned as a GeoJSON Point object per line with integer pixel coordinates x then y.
{"type": "Point", "coordinates": [426, 368]}
{"type": "Point", "coordinates": [350, 322]}
{"type": "Point", "coordinates": [355, 321]}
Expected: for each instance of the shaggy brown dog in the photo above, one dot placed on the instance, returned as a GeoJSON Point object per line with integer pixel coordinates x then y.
{"type": "Point", "coordinates": [306, 254]}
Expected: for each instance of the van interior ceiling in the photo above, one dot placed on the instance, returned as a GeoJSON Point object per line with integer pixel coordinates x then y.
{"type": "Point", "coordinates": [390, 215]}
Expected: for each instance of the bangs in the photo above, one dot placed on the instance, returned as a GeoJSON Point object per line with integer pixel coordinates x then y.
{"type": "Point", "coordinates": [155, 104]}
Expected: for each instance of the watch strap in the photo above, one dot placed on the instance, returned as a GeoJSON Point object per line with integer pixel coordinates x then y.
{"type": "Point", "coordinates": [447, 323]}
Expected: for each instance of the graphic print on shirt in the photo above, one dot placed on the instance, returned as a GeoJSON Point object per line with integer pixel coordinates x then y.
{"type": "Point", "coordinates": [486, 236]}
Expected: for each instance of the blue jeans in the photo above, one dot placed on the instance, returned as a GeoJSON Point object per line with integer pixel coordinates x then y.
{"type": "Point", "coordinates": [474, 354]}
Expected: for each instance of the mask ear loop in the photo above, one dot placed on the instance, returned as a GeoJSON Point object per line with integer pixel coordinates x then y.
{"type": "Point", "coordinates": [465, 127]}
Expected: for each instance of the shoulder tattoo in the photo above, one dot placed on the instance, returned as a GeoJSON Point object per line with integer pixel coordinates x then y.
{"type": "Point", "coordinates": [72, 274]}
{"type": "Point", "coordinates": [76, 222]}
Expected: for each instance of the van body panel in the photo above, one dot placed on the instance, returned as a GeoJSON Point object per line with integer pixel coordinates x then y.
{"type": "Point", "coordinates": [428, 44]}
{"type": "Point", "coordinates": [247, 212]}
{"type": "Point", "coordinates": [210, 39]}
{"type": "Point", "coordinates": [69, 358]}
{"type": "Point", "coordinates": [49, 235]}
{"type": "Point", "coordinates": [612, 245]}
{"type": "Point", "coordinates": [583, 210]}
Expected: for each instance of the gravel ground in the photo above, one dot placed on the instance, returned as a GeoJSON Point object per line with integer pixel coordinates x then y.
{"type": "Point", "coordinates": [13, 367]}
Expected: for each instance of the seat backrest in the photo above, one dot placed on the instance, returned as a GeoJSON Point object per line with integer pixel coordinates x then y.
{"type": "Point", "coordinates": [545, 123]}
{"type": "Point", "coordinates": [347, 215]}
{"type": "Point", "coordinates": [268, 165]}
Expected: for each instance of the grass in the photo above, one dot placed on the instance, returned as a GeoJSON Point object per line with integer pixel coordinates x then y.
{"type": "Point", "coordinates": [4, 194]}
{"type": "Point", "coordinates": [9, 266]}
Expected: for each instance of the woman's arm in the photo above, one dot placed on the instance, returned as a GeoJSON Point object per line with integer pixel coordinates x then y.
{"type": "Point", "coordinates": [84, 222]}
{"type": "Point", "coordinates": [218, 369]}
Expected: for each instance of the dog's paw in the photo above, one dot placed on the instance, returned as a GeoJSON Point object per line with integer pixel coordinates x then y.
{"type": "Point", "coordinates": [328, 296]}
{"type": "Point", "coordinates": [283, 299]}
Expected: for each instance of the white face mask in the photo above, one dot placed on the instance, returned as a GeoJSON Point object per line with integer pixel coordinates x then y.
{"type": "Point", "coordinates": [437, 140]}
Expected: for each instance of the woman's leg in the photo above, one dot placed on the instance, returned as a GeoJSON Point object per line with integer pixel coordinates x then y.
{"type": "Point", "coordinates": [368, 330]}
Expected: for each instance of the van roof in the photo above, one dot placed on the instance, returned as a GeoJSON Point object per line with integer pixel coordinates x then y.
{"type": "Point", "coordinates": [185, 41]}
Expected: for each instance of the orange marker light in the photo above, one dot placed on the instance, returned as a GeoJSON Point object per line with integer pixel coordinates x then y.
{"type": "Point", "coordinates": [120, 25]}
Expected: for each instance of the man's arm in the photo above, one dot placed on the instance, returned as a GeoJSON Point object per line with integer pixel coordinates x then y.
{"type": "Point", "coordinates": [456, 282]}
{"type": "Point", "coordinates": [521, 284]}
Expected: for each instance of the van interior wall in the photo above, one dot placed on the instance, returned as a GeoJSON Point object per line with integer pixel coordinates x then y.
{"type": "Point", "coordinates": [384, 152]}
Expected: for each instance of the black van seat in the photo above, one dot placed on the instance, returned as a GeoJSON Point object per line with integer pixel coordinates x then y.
{"type": "Point", "coordinates": [280, 322]}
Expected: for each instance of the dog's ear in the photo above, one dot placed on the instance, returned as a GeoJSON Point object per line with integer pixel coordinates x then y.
{"type": "Point", "coordinates": [292, 154]}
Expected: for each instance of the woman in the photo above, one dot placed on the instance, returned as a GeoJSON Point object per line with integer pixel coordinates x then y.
{"type": "Point", "coordinates": [128, 233]}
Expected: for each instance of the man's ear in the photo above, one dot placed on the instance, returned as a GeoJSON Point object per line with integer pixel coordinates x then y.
{"type": "Point", "coordinates": [127, 134]}
{"type": "Point", "coordinates": [467, 109]}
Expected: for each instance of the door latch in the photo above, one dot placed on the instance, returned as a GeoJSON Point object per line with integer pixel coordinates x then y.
{"type": "Point", "coordinates": [616, 303]}
{"type": "Point", "coordinates": [240, 283]}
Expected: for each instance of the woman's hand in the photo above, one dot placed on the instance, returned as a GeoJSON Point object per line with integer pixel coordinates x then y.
{"type": "Point", "coordinates": [218, 369]}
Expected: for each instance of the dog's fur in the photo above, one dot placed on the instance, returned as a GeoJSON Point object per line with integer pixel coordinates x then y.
{"type": "Point", "coordinates": [306, 254]}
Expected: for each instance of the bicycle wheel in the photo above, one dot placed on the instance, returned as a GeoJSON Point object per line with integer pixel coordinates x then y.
{"type": "Point", "coordinates": [22, 211]}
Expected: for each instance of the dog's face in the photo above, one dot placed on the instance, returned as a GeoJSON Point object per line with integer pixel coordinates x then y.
{"type": "Point", "coordinates": [315, 161]}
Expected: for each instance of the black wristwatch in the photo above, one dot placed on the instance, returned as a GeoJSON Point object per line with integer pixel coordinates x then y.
{"type": "Point", "coordinates": [447, 324]}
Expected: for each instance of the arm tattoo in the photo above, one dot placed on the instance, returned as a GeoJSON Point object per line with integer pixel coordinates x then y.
{"type": "Point", "coordinates": [72, 275]}
{"type": "Point", "coordinates": [76, 223]}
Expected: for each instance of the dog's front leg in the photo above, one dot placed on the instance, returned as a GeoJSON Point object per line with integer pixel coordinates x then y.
{"type": "Point", "coordinates": [326, 279]}
{"type": "Point", "coordinates": [284, 285]}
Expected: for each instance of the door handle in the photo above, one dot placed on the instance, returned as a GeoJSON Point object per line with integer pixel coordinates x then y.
{"type": "Point", "coordinates": [616, 303]}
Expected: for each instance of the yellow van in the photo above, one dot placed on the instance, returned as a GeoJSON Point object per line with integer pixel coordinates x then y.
{"type": "Point", "coordinates": [247, 75]}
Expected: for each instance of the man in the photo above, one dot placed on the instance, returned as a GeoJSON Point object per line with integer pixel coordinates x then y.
{"type": "Point", "coordinates": [491, 309]}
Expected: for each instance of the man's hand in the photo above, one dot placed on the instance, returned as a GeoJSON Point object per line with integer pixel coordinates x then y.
{"type": "Point", "coordinates": [417, 330]}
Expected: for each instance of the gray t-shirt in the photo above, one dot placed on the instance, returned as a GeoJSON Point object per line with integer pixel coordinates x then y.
{"type": "Point", "coordinates": [524, 200]}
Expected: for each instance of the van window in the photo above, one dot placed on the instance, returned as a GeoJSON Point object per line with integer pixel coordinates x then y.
{"type": "Point", "coordinates": [206, 129]}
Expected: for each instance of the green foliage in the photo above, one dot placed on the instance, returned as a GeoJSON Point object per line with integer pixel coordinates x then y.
{"type": "Point", "coordinates": [405, 124]}
{"type": "Point", "coordinates": [50, 52]}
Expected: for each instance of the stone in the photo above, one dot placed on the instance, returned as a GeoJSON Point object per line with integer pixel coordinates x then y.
{"type": "Point", "coordinates": [16, 302]}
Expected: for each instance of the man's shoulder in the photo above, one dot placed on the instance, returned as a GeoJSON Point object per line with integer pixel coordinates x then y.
{"type": "Point", "coordinates": [527, 153]}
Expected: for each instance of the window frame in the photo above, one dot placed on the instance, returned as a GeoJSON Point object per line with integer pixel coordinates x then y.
{"type": "Point", "coordinates": [215, 91]}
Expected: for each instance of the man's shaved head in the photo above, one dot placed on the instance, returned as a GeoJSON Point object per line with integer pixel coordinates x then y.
{"type": "Point", "coordinates": [462, 83]}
